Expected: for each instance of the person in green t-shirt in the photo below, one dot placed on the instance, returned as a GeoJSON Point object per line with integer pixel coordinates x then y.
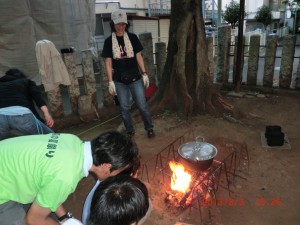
{"type": "Point", "coordinates": [43, 170]}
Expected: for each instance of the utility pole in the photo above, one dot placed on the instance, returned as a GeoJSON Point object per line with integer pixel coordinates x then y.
{"type": "Point", "coordinates": [240, 46]}
{"type": "Point", "coordinates": [213, 13]}
{"type": "Point", "coordinates": [219, 13]}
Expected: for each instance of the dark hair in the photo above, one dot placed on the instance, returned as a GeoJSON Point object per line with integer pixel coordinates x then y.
{"type": "Point", "coordinates": [114, 148]}
{"type": "Point", "coordinates": [119, 200]}
{"type": "Point", "coordinates": [112, 26]}
{"type": "Point", "coordinates": [133, 168]}
{"type": "Point", "coordinates": [13, 74]}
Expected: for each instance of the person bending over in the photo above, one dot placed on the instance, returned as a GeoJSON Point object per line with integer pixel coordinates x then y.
{"type": "Point", "coordinates": [18, 94]}
{"type": "Point", "coordinates": [45, 169]}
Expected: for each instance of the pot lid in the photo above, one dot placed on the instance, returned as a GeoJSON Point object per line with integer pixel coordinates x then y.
{"type": "Point", "coordinates": [197, 151]}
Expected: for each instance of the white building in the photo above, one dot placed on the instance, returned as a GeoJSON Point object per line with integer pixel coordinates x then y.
{"type": "Point", "coordinates": [153, 15]}
{"type": "Point", "coordinates": [143, 16]}
{"type": "Point", "coordinates": [280, 13]}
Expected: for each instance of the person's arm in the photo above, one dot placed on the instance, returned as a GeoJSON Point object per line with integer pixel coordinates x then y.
{"type": "Point", "coordinates": [108, 68]}
{"type": "Point", "coordinates": [37, 97]}
{"type": "Point", "coordinates": [47, 116]}
{"type": "Point", "coordinates": [141, 64]}
{"type": "Point", "coordinates": [38, 215]}
{"type": "Point", "coordinates": [111, 84]}
{"type": "Point", "coordinates": [60, 211]}
{"type": "Point", "coordinates": [140, 61]}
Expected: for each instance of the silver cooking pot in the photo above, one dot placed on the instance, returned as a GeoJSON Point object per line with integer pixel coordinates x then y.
{"type": "Point", "coordinates": [197, 155]}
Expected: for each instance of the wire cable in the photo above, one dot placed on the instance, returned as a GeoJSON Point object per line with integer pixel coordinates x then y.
{"type": "Point", "coordinates": [98, 125]}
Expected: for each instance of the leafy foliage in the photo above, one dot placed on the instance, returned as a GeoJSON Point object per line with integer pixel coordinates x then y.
{"type": "Point", "coordinates": [295, 9]}
{"type": "Point", "coordinates": [264, 15]}
{"type": "Point", "coordinates": [231, 13]}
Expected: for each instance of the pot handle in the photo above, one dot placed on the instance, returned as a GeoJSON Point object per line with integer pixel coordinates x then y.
{"type": "Point", "coordinates": [198, 140]}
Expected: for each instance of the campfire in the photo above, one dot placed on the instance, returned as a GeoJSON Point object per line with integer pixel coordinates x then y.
{"type": "Point", "coordinates": [180, 179]}
{"type": "Point", "coordinates": [186, 186]}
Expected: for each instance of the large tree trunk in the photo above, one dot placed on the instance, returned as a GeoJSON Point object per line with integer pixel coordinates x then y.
{"type": "Point", "coordinates": [186, 86]}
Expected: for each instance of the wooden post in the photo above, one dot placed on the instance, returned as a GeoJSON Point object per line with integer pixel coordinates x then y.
{"type": "Point", "coordinates": [161, 55]}
{"type": "Point", "coordinates": [89, 76]}
{"type": "Point", "coordinates": [73, 89]}
{"type": "Point", "coordinates": [210, 48]}
{"type": "Point", "coordinates": [224, 33]}
{"type": "Point", "coordinates": [55, 102]}
{"type": "Point", "coordinates": [253, 60]}
{"type": "Point", "coordinates": [286, 68]}
{"type": "Point", "coordinates": [147, 43]}
{"type": "Point", "coordinates": [270, 60]}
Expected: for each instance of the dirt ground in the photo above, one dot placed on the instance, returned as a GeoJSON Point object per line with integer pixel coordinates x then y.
{"type": "Point", "coordinates": [267, 193]}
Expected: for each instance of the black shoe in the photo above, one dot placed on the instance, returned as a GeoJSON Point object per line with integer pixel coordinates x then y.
{"type": "Point", "coordinates": [150, 133]}
{"type": "Point", "coordinates": [130, 134]}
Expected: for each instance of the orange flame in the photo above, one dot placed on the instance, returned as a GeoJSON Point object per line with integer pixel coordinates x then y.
{"type": "Point", "coordinates": [181, 179]}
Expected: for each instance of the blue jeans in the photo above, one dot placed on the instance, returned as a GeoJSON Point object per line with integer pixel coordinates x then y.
{"type": "Point", "coordinates": [12, 213]}
{"type": "Point", "coordinates": [136, 89]}
{"type": "Point", "coordinates": [26, 124]}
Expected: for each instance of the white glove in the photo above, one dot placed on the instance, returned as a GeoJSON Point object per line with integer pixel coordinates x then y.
{"type": "Point", "coordinates": [112, 88]}
{"type": "Point", "coordinates": [72, 221]}
{"type": "Point", "coordinates": [146, 80]}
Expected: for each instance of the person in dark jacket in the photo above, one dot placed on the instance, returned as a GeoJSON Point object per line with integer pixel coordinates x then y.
{"type": "Point", "coordinates": [18, 97]}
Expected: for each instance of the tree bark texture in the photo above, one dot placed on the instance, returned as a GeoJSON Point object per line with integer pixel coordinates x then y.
{"type": "Point", "coordinates": [186, 85]}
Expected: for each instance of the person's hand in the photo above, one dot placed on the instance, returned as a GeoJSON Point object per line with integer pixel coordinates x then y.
{"type": "Point", "coordinates": [71, 221]}
{"type": "Point", "coordinates": [49, 120]}
{"type": "Point", "coordinates": [146, 80]}
{"type": "Point", "coordinates": [112, 88]}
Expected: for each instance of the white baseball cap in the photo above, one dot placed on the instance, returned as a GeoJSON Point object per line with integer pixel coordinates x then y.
{"type": "Point", "coordinates": [119, 16]}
